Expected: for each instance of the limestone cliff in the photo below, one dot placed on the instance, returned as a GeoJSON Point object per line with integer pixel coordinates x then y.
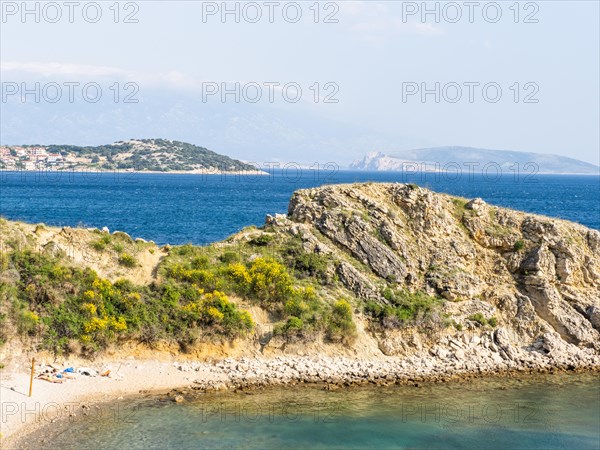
{"type": "Point", "coordinates": [539, 276]}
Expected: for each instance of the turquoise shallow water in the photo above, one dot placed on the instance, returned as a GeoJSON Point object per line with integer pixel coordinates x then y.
{"type": "Point", "coordinates": [539, 412]}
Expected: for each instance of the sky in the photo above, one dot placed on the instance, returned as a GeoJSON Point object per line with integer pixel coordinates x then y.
{"type": "Point", "coordinates": [336, 79]}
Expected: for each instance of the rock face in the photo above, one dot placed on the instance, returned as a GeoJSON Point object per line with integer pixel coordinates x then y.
{"type": "Point", "coordinates": [538, 277]}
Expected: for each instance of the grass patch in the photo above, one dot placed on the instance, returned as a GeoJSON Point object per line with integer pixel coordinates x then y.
{"type": "Point", "coordinates": [482, 321]}
{"type": "Point", "coordinates": [405, 308]}
{"type": "Point", "coordinates": [127, 260]}
{"type": "Point", "coordinates": [305, 264]}
{"type": "Point", "coordinates": [101, 244]}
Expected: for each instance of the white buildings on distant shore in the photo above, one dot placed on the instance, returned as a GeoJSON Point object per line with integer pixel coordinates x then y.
{"type": "Point", "coordinates": [29, 158]}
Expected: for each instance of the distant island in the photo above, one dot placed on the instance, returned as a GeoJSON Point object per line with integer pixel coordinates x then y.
{"type": "Point", "coordinates": [469, 158]}
{"type": "Point", "coordinates": [147, 155]}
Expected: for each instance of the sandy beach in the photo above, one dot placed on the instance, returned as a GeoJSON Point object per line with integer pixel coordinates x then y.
{"type": "Point", "coordinates": [133, 378]}
{"type": "Point", "coordinates": [51, 402]}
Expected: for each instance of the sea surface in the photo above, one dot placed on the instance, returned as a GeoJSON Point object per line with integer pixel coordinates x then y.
{"type": "Point", "coordinates": [536, 412]}
{"type": "Point", "coordinates": [181, 208]}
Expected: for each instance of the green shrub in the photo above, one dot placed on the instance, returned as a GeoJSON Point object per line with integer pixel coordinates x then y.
{"type": "Point", "coordinates": [101, 243]}
{"type": "Point", "coordinates": [184, 250]}
{"type": "Point", "coordinates": [261, 240]}
{"type": "Point", "coordinates": [127, 260]}
{"type": "Point", "coordinates": [296, 306]}
{"type": "Point", "coordinates": [388, 294]}
{"type": "Point", "coordinates": [294, 324]}
{"type": "Point", "coordinates": [292, 329]}
{"type": "Point", "coordinates": [28, 322]}
{"type": "Point", "coordinates": [311, 264]}
{"type": "Point", "coordinates": [481, 320]}
{"type": "Point", "coordinates": [341, 325]}
{"type": "Point", "coordinates": [229, 257]}
{"type": "Point", "coordinates": [200, 262]}
{"type": "Point", "coordinates": [519, 245]}
{"type": "Point", "coordinates": [405, 308]}
{"type": "Point", "coordinates": [4, 317]}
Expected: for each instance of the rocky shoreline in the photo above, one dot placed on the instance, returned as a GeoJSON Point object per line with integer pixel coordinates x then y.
{"type": "Point", "coordinates": [474, 357]}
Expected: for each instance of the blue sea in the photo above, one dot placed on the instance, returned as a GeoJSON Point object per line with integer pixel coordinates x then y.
{"type": "Point", "coordinates": [181, 208]}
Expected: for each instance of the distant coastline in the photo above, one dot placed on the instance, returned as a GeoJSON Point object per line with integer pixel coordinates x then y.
{"type": "Point", "coordinates": [246, 172]}
{"type": "Point", "coordinates": [143, 155]}
{"type": "Point", "coordinates": [131, 171]}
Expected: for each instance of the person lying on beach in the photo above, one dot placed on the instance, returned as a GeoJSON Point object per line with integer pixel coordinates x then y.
{"type": "Point", "coordinates": [50, 378]}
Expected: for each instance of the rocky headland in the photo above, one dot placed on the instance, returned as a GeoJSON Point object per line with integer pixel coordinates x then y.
{"type": "Point", "coordinates": [362, 283]}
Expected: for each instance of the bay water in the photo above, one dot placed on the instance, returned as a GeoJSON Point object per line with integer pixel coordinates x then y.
{"type": "Point", "coordinates": [182, 208]}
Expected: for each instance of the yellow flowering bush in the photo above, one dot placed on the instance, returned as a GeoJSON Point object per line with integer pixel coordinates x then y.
{"type": "Point", "coordinates": [100, 324]}
{"type": "Point", "coordinates": [181, 273]}
{"type": "Point", "coordinates": [214, 315]}
{"type": "Point", "coordinates": [117, 324]}
{"type": "Point", "coordinates": [246, 320]}
{"type": "Point", "coordinates": [95, 324]}
{"type": "Point", "coordinates": [265, 279]}
{"type": "Point", "coordinates": [239, 273]}
{"type": "Point", "coordinates": [132, 298]}
{"type": "Point", "coordinates": [103, 287]}
{"type": "Point", "coordinates": [28, 322]}
{"type": "Point", "coordinates": [90, 308]}
{"type": "Point", "coordinates": [31, 316]}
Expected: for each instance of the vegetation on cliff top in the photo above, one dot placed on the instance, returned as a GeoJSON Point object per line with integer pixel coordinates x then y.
{"type": "Point", "coordinates": [68, 308]}
{"type": "Point", "coordinates": [199, 294]}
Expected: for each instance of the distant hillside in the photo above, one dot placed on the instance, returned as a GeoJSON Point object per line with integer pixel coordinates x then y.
{"type": "Point", "coordinates": [429, 157]}
{"type": "Point", "coordinates": [159, 155]}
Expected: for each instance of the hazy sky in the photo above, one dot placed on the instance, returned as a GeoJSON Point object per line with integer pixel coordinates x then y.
{"type": "Point", "coordinates": [374, 58]}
